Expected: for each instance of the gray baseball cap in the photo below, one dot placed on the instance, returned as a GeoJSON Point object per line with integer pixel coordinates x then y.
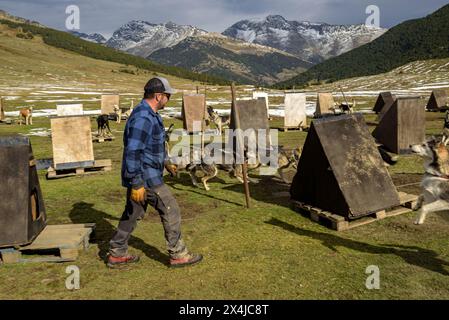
{"type": "Point", "coordinates": [159, 85]}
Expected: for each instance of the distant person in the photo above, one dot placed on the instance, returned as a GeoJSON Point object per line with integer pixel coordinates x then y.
{"type": "Point", "coordinates": [142, 170]}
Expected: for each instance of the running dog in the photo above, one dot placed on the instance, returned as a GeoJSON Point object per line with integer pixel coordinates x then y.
{"type": "Point", "coordinates": [435, 182]}
{"type": "Point", "coordinates": [219, 121]}
{"type": "Point", "coordinates": [174, 165]}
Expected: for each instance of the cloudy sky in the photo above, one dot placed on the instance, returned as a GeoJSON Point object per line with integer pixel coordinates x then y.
{"type": "Point", "coordinates": [105, 16]}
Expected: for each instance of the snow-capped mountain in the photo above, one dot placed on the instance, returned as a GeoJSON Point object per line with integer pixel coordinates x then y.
{"type": "Point", "coordinates": [142, 38]}
{"type": "Point", "coordinates": [94, 37]}
{"type": "Point", "coordinates": [314, 42]}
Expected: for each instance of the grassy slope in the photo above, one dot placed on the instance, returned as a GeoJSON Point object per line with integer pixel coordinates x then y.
{"type": "Point", "coordinates": [72, 43]}
{"type": "Point", "coordinates": [268, 251]}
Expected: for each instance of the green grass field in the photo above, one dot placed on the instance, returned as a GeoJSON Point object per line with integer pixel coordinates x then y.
{"type": "Point", "coordinates": [266, 252]}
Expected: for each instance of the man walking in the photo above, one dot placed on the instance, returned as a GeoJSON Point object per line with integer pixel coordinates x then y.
{"type": "Point", "coordinates": [142, 170]}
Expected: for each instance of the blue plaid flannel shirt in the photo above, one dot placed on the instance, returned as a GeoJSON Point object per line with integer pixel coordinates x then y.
{"type": "Point", "coordinates": [144, 148]}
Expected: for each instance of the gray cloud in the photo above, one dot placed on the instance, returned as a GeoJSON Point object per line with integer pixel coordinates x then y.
{"type": "Point", "coordinates": [105, 16]}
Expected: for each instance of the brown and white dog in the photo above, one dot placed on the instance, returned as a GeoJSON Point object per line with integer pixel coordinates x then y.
{"type": "Point", "coordinates": [435, 183]}
{"type": "Point", "coordinates": [27, 114]}
{"type": "Point", "coordinates": [219, 121]}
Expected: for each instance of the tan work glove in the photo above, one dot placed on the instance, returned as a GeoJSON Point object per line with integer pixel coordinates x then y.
{"type": "Point", "coordinates": [138, 195]}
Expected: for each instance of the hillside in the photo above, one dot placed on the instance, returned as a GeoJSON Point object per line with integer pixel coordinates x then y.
{"type": "Point", "coordinates": [231, 59]}
{"type": "Point", "coordinates": [34, 73]}
{"type": "Point", "coordinates": [419, 39]}
{"type": "Point", "coordinates": [72, 43]}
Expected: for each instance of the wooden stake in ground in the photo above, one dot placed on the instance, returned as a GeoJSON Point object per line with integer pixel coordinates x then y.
{"type": "Point", "coordinates": [240, 144]}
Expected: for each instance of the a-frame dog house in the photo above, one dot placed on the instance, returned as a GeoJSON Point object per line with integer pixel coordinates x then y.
{"type": "Point", "coordinates": [73, 151]}
{"type": "Point", "coordinates": [402, 125]}
{"type": "Point", "coordinates": [22, 210]}
{"type": "Point", "coordinates": [109, 102]}
{"type": "Point", "coordinates": [72, 142]}
{"type": "Point", "coordinates": [264, 95]}
{"type": "Point", "coordinates": [384, 99]}
{"type": "Point", "coordinates": [193, 112]}
{"type": "Point", "coordinates": [438, 101]}
{"type": "Point", "coordinates": [63, 110]}
{"type": "Point", "coordinates": [295, 110]}
{"type": "Point", "coordinates": [325, 103]}
{"type": "Point", "coordinates": [341, 170]}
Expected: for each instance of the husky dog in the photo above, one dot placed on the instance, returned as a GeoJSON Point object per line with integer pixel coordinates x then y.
{"type": "Point", "coordinates": [219, 121]}
{"type": "Point", "coordinates": [118, 113]}
{"type": "Point", "coordinates": [435, 183]}
{"type": "Point", "coordinates": [175, 165]}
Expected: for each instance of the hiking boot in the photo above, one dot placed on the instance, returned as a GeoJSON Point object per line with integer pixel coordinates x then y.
{"type": "Point", "coordinates": [116, 262]}
{"type": "Point", "coordinates": [188, 259]}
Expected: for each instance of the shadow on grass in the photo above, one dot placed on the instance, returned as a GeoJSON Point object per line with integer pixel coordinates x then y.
{"type": "Point", "coordinates": [423, 258]}
{"type": "Point", "coordinates": [269, 189]}
{"type": "Point", "coordinates": [83, 212]}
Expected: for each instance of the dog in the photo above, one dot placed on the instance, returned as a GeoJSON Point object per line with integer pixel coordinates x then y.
{"type": "Point", "coordinates": [27, 114]}
{"type": "Point", "coordinates": [435, 183]}
{"type": "Point", "coordinates": [175, 165]}
{"type": "Point", "coordinates": [128, 112]}
{"type": "Point", "coordinates": [118, 113]}
{"type": "Point", "coordinates": [347, 107]}
{"type": "Point", "coordinates": [103, 125]}
{"type": "Point", "coordinates": [287, 159]}
{"type": "Point", "coordinates": [219, 121]}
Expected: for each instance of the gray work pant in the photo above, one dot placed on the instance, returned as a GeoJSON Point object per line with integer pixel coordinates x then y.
{"type": "Point", "coordinates": [160, 198]}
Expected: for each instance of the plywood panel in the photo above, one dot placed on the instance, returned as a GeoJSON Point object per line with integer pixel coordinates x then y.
{"type": "Point", "coordinates": [69, 110]}
{"type": "Point", "coordinates": [402, 125]}
{"type": "Point", "coordinates": [295, 110]}
{"type": "Point", "coordinates": [72, 142]}
{"type": "Point", "coordinates": [193, 110]}
{"type": "Point", "coordinates": [325, 103]}
{"type": "Point", "coordinates": [108, 101]}
{"type": "Point", "coordinates": [264, 95]}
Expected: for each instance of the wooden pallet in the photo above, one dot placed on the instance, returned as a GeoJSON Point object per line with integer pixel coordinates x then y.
{"type": "Point", "coordinates": [67, 239]}
{"type": "Point", "coordinates": [99, 166]}
{"type": "Point", "coordinates": [340, 223]}
{"type": "Point", "coordinates": [102, 139]}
